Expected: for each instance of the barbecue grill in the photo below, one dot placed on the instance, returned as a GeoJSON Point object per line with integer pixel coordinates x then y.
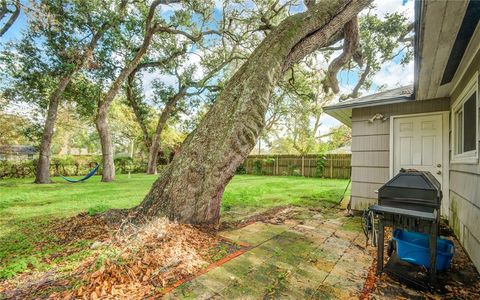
{"type": "Point", "coordinates": [411, 200]}
{"type": "Point", "coordinates": [414, 190]}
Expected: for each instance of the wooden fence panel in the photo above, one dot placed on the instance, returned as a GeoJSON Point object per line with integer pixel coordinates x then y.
{"type": "Point", "coordinates": [335, 166]}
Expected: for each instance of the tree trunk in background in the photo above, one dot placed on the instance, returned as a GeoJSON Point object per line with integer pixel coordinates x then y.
{"type": "Point", "coordinates": [132, 98]}
{"type": "Point", "coordinates": [101, 121]}
{"type": "Point", "coordinates": [162, 122]}
{"type": "Point", "coordinates": [108, 165]}
{"type": "Point", "coordinates": [190, 189]}
{"type": "Point", "coordinates": [43, 166]}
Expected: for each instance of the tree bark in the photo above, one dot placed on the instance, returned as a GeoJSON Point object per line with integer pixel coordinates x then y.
{"type": "Point", "coordinates": [162, 122]}
{"type": "Point", "coordinates": [43, 166]}
{"type": "Point", "coordinates": [190, 189]}
{"type": "Point", "coordinates": [350, 46]}
{"type": "Point", "coordinates": [132, 97]}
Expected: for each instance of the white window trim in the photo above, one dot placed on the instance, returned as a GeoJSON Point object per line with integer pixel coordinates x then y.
{"type": "Point", "coordinates": [470, 157]}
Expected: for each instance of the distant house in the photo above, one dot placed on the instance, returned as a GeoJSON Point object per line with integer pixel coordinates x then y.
{"type": "Point", "coordinates": [433, 126]}
{"type": "Point", "coordinates": [341, 150]}
{"type": "Point", "coordinates": [17, 152]}
{"type": "Point", "coordinates": [67, 150]}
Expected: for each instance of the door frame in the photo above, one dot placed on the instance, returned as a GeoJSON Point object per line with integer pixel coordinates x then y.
{"type": "Point", "coordinates": [445, 211]}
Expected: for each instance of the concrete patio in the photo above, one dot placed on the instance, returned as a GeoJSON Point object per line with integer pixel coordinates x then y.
{"type": "Point", "coordinates": [311, 257]}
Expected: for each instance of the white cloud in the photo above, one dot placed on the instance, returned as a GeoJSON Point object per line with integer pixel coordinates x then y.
{"type": "Point", "coordinates": [170, 8]}
{"type": "Point", "coordinates": [394, 75]}
{"type": "Point", "coordinates": [328, 123]}
{"type": "Point", "coordinates": [383, 7]}
{"type": "Point", "coordinates": [194, 59]}
{"type": "Point", "coordinates": [149, 77]}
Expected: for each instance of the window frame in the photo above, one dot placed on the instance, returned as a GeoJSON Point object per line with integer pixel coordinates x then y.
{"type": "Point", "coordinates": [469, 157]}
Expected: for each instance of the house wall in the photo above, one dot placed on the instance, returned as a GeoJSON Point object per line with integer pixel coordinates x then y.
{"type": "Point", "coordinates": [370, 146]}
{"type": "Point", "coordinates": [465, 186]}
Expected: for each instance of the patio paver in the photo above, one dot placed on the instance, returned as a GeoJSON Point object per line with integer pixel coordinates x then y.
{"type": "Point", "coordinates": [315, 259]}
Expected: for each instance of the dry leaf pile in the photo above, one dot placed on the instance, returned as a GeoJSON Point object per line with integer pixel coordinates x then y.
{"type": "Point", "coordinates": [140, 263]}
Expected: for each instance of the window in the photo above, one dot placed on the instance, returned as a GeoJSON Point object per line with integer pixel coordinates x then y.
{"type": "Point", "coordinates": [465, 123]}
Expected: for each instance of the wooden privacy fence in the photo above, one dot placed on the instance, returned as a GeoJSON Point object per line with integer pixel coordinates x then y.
{"type": "Point", "coordinates": [310, 165]}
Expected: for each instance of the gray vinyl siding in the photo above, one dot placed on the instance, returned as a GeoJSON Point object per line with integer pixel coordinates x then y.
{"type": "Point", "coordinates": [371, 146]}
{"type": "Point", "coordinates": [465, 188]}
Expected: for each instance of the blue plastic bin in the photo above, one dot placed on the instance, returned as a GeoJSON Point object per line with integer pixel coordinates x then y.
{"type": "Point", "coordinates": [413, 247]}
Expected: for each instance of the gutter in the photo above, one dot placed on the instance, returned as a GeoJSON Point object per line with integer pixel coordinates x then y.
{"type": "Point", "coordinates": [375, 102]}
{"type": "Point", "coordinates": [417, 43]}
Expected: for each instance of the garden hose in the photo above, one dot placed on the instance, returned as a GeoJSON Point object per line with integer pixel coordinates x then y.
{"type": "Point", "coordinates": [344, 192]}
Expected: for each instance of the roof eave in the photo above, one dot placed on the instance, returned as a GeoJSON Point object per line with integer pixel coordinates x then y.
{"type": "Point", "coordinates": [343, 113]}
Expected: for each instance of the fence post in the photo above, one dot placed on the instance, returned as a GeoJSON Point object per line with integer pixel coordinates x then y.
{"type": "Point", "coordinates": [275, 166]}
{"type": "Point", "coordinates": [303, 166]}
{"type": "Point", "coordinates": [331, 167]}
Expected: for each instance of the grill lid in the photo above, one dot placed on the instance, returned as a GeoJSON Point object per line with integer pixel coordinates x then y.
{"type": "Point", "coordinates": [414, 190]}
{"type": "Point", "coordinates": [413, 180]}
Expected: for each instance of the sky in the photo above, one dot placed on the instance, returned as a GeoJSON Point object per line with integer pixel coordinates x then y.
{"type": "Point", "coordinates": [391, 75]}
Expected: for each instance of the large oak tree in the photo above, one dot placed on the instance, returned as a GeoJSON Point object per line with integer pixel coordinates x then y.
{"type": "Point", "coordinates": [190, 189]}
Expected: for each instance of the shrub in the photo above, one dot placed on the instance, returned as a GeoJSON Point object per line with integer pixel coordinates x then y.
{"type": "Point", "coordinates": [257, 167]}
{"type": "Point", "coordinates": [321, 163]}
{"type": "Point", "coordinates": [241, 170]}
{"type": "Point", "coordinates": [292, 168]}
{"type": "Point", "coordinates": [269, 161]}
{"type": "Point", "coordinates": [296, 172]}
{"type": "Point", "coordinates": [123, 164]}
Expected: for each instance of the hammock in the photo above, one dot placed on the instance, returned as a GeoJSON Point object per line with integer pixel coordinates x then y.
{"type": "Point", "coordinates": [90, 174]}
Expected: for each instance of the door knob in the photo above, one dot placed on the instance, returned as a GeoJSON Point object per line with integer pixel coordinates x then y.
{"type": "Point", "coordinates": [439, 165]}
{"type": "Point", "coordinates": [439, 172]}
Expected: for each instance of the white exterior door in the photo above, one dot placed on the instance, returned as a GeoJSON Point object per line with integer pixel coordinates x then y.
{"type": "Point", "coordinates": [418, 144]}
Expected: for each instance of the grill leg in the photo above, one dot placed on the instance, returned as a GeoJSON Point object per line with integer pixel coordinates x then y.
{"type": "Point", "coordinates": [380, 243]}
{"type": "Point", "coordinates": [433, 253]}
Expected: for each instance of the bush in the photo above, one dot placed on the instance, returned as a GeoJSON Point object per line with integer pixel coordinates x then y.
{"type": "Point", "coordinates": [321, 163]}
{"type": "Point", "coordinates": [123, 164]}
{"type": "Point", "coordinates": [257, 167]}
{"type": "Point", "coordinates": [241, 170]}
{"type": "Point", "coordinates": [296, 172]}
{"type": "Point", "coordinates": [292, 169]}
{"type": "Point", "coordinates": [17, 169]}
{"type": "Point", "coordinates": [269, 161]}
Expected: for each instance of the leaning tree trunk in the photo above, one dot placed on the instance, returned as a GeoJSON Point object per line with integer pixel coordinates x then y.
{"type": "Point", "coordinates": [190, 189]}
{"type": "Point", "coordinates": [43, 166]}
{"type": "Point", "coordinates": [162, 122]}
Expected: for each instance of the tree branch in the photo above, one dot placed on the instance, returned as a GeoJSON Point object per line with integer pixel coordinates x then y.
{"type": "Point", "coordinates": [12, 18]}
{"type": "Point", "coordinates": [193, 38]}
{"type": "Point", "coordinates": [3, 9]}
{"type": "Point", "coordinates": [133, 101]}
{"type": "Point", "coordinates": [361, 81]}
{"type": "Point", "coordinates": [350, 45]}
{"type": "Point", "coordinates": [403, 38]}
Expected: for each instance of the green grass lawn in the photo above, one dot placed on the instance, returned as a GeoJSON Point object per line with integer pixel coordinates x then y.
{"type": "Point", "coordinates": [27, 208]}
